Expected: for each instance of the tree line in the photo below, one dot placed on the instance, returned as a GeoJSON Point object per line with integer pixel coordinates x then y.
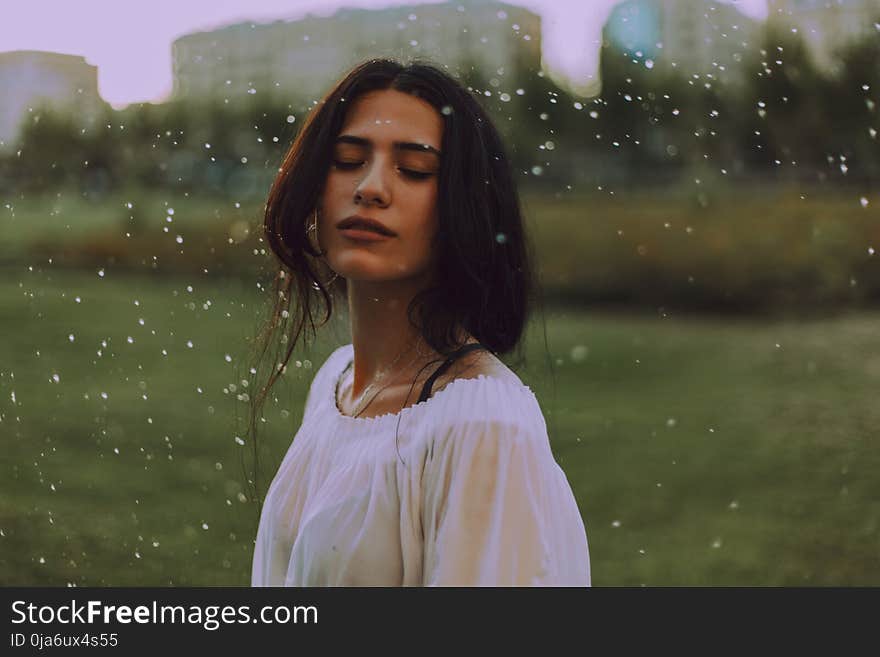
{"type": "Point", "coordinates": [786, 120]}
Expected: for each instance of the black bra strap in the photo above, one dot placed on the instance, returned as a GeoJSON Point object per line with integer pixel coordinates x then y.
{"type": "Point", "coordinates": [426, 389]}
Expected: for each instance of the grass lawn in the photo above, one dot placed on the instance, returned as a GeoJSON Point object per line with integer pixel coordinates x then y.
{"type": "Point", "coordinates": [701, 451]}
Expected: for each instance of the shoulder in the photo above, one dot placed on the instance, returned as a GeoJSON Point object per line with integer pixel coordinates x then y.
{"type": "Point", "coordinates": [331, 366]}
{"type": "Point", "coordinates": [482, 387]}
{"type": "Point", "coordinates": [476, 364]}
{"type": "Point", "coordinates": [479, 389]}
{"type": "Point", "coordinates": [486, 407]}
{"type": "Point", "coordinates": [485, 430]}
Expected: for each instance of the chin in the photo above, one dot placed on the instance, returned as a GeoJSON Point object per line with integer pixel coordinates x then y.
{"type": "Point", "coordinates": [378, 272]}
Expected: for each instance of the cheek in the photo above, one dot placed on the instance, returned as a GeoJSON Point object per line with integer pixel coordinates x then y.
{"type": "Point", "coordinates": [333, 190]}
{"type": "Point", "coordinates": [419, 242]}
{"type": "Point", "coordinates": [428, 218]}
{"type": "Point", "coordinates": [426, 240]}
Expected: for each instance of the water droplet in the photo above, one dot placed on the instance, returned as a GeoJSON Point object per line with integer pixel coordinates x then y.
{"type": "Point", "coordinates": [56, 378]}
{"type": "Point", "coordinates": [71, 337]}
{"type": "Point", "coordinates": [227, 358]}
{"type": "Point", "coordinates": [579, 353]}
{"type": "Point", "coordinates": [864, 202]}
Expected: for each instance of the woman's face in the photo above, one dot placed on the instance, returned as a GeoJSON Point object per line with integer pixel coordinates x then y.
{"type": "Point", "coordinates": [386, 163]}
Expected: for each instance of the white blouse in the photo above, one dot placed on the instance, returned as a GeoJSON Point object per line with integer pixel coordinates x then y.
{"type": "Point", "coordinates": [468, 495]}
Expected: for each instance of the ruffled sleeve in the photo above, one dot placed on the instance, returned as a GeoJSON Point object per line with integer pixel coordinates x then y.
{"type": "Point", "coordinates": [498, 511]}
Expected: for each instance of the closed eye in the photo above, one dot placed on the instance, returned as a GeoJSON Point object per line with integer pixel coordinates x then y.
{"type": "Point", "coordinates": [415, 175]}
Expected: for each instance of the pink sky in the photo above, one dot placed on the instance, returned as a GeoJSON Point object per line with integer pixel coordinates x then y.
{"type": "Point", "coordinates": [130, 42]}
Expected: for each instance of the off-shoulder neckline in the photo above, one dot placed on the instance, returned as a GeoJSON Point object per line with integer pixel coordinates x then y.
{"type": "Point", "coordinates": [439, 394]}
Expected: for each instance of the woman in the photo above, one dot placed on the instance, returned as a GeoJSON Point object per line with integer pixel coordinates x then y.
{"type": "Point", "coordinates": [399, 189]}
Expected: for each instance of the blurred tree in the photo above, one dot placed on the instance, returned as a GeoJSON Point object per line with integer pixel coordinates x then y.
{"type": "Point", "coordinates": [851, 106]}
{"type": "Point", "coordinates": [48, 150]}
{"type": "Point", "coordinates": [781, 105]}
{"type": "Point", "coordinates": [650, 124]}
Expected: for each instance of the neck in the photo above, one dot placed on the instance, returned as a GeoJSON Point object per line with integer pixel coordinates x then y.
{"type": "Point", "coordinates": [381, 333]}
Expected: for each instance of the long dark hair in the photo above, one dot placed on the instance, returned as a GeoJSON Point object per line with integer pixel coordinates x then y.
{"type": "Point", "coordinates": [485, 281]}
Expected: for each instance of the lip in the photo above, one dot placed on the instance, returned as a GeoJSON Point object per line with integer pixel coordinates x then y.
{"type": "Point", "coordinates": [361, 235]}
{"type": "Point", "coordinates": [350, 225]}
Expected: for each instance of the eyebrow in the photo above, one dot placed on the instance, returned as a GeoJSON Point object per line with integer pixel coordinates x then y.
{"type": "Point", "coordinates": [398, 145]}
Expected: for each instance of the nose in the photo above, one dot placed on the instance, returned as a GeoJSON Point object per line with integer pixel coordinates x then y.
{"type": "Point", "coordinates": [373, 188]}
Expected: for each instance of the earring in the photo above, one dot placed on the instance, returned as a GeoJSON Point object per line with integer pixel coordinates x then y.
{"type": "Point", "coordinates": [314, 227]}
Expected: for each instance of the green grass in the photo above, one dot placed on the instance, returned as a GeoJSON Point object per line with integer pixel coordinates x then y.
{"type": "Point", "coordinates": [701, 451]}
{"type": "Point", "coordinates": [697, 433]}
